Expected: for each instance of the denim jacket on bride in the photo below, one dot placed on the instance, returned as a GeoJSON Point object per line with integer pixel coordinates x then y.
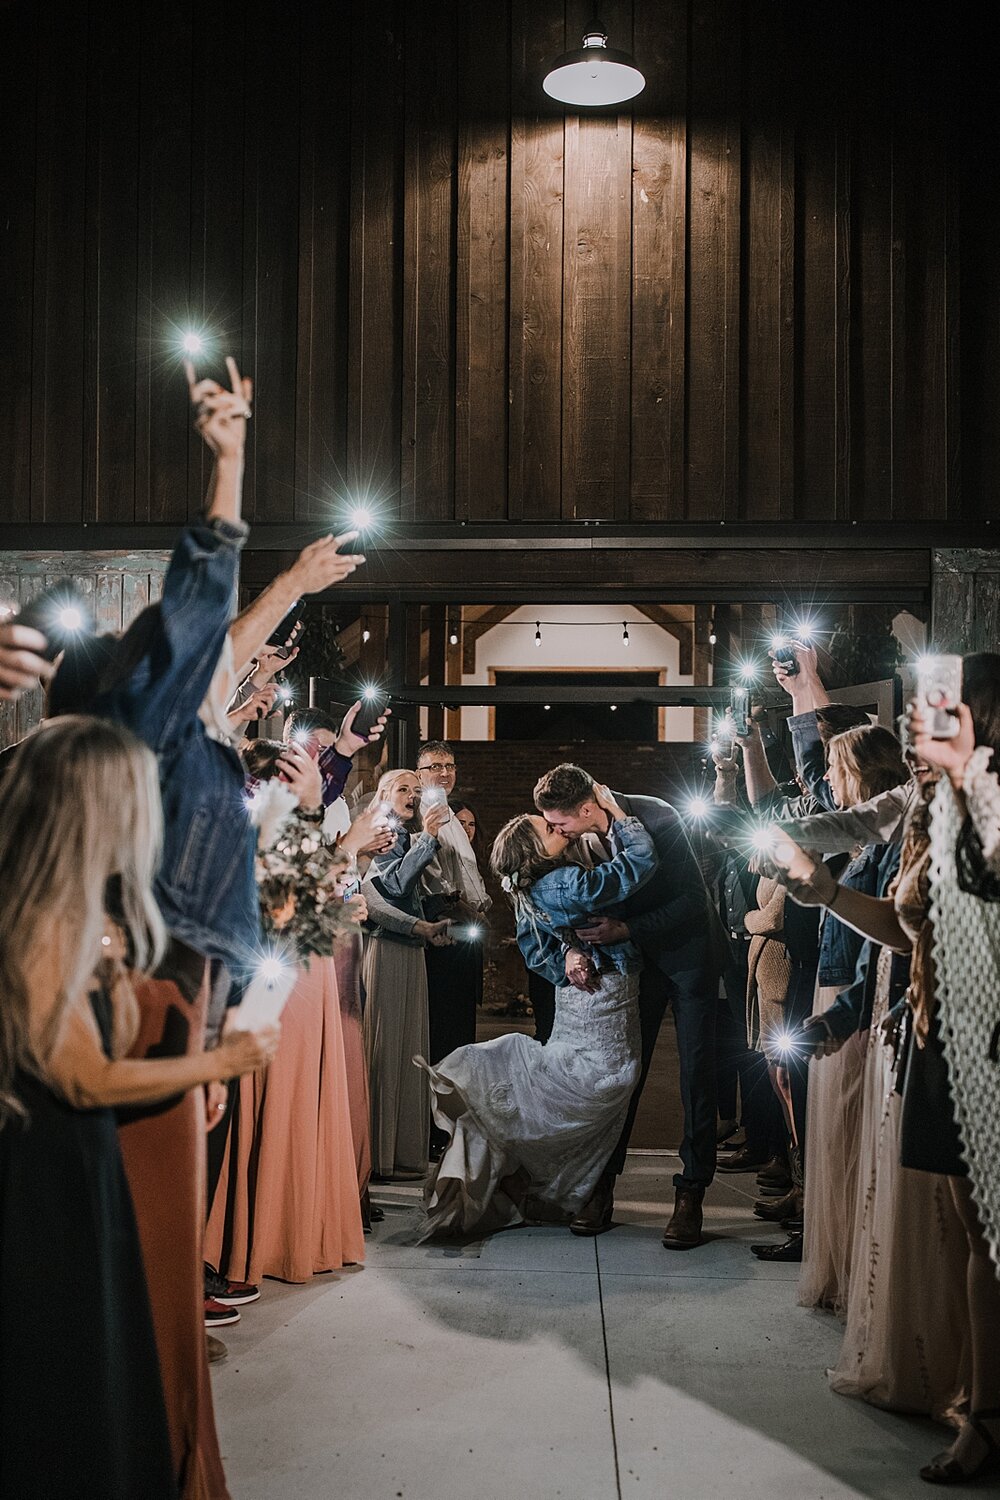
{"type": "Point", "coordinates": [565, 897]}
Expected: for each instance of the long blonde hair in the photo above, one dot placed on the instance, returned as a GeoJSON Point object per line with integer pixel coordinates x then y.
{"type": "Point", "coordinates": [80, 805]}
{"type": "Point", "coordinates": [870, 759]}
{"type": "Point", "coordinates": [386, 787]}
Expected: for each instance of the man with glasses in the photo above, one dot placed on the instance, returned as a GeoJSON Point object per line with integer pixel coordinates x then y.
{"type": "Point", "coordinates": [455, 889]}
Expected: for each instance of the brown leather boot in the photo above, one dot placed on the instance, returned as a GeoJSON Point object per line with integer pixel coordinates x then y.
{"type": "Point", "coordinates": [596, 1215]}
{"type": "Point", "coordinates": [777, 1210]}
{"type": "Point", "coordinates": [684, 1230]}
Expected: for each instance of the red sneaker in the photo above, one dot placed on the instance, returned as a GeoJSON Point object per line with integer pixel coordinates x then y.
{"type": "Point", "coordinates": [236, 1293]}
{"type": "Point", "coordinates": [217, 1315]}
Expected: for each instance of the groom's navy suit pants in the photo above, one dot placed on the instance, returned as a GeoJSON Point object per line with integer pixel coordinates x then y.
{"type": "Point", "coordinates": [683, 947]}
{"type": "Point", "coordinates": [690, 994]}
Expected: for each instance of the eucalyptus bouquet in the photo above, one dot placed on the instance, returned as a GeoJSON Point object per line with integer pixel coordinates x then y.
{"type": "Point", "coordinates": [297, 875]}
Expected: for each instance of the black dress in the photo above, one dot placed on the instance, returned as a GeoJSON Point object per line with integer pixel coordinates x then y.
{"type": "Point", "coordinates": [81, 1403]}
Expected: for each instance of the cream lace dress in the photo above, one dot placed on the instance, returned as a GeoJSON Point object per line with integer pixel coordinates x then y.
{"type": "Point", "coordinates": [525, 1117]}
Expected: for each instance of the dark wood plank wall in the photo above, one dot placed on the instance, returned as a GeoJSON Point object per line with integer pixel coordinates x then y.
{"type": "Point", "coordinates": [767, 294]}
{"type": "Point", "coordinates": [118, 587]}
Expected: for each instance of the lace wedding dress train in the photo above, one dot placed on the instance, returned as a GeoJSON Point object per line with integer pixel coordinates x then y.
{"type": "Point", "coordinates": [524, 1118]}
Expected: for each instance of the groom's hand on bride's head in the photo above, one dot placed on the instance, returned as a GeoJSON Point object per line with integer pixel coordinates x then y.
{"type": "Point", "coordinates": [580, 972]}
{"type": "Point", "coordinates": [603, 931]}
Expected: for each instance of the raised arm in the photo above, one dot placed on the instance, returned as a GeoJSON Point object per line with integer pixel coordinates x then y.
{"type": "Point", "coordinates": [399, 869]}
{"type": "Point", "coordinates": [879, 821]}
{"type": "Point", "coordinates": [760, 782]}
{"type": "Point", "coordinates": [318, 566]}
{"type": "Point", "coordinates": [810, 884]}
{"type": "Point", "coordinates": [222, 421]}
{"type": "Point", "coordinates": [607, 885]}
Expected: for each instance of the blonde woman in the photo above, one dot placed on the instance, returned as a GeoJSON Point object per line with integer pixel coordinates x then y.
{"type": "Point", "coordinates": [395, 979]}
{"type": "Point", "coordinates": [80, 827]}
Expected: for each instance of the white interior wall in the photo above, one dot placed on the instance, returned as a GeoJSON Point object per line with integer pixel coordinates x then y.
{"type": "Point", "coordinates": [587, 637]}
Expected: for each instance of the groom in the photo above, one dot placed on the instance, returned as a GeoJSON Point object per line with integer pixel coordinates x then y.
{"type": "Point", "coordinates": [672, 921]}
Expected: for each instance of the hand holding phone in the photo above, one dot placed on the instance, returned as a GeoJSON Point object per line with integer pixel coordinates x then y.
{"type": "Point", "coordinates": [939, 693]}
{"type": "Point", "coordinates": [285, 634]}
{"type": "Point", "coordinates": [739, 708]}
{"type": "Point", "coordinates": [374, 704]}
{"type": "Point", "coordinates": [61, 614]}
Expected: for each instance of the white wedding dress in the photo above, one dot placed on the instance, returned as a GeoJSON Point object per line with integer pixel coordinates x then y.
{"type": "Point", "coordinates": [524, 1117]}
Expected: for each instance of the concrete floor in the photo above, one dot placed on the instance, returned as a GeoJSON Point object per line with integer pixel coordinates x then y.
{"type": "Point", "coordinates": [537, 1364]}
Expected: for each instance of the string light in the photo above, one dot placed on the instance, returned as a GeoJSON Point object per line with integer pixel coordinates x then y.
{"type": "Point", "coordinates": [538, 633]}
{"type": "Point", "coordinates": [624, 632]}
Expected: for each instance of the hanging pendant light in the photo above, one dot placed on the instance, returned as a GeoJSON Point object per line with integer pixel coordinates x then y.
{"type": "Point", "coordinates": [594, 75]}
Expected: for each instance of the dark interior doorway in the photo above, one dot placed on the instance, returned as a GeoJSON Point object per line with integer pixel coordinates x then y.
{"type": "Point", "coordinates": [581, 721]}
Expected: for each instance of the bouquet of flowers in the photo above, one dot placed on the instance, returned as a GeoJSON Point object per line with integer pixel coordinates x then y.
{"type": "Point", "coordinates": [297, 876]}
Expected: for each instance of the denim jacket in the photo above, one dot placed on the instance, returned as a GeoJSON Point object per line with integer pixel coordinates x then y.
{"type": "Point", "coordinates": [205, 888]}
{"type": "Point", "coordinates": [566, 896]}
{"type": "Point", "coordinates": [852, 1009]}
{"type": "Point", "coordinates": [396, 877]}
{"type": "Point", "coordinates": [840, 945]}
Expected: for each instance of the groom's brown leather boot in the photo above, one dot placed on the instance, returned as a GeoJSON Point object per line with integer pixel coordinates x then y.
{"type": "Point", "coordinates": [684, 1230]}
{"type": "Point", "coordinates": [596, 1215]}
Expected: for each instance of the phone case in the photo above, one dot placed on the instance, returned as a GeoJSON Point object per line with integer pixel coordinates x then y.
{"type": "Point", "coordinates": [939, 691]}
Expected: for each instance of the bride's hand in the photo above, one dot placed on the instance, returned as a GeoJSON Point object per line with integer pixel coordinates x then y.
{"type": "Point", "coordinates": [604, 797]}
{"type": "Point", "coordinates": [580, 971]}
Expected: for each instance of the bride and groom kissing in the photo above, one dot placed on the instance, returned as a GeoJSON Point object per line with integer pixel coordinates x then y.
{"type": "Point", "coordinates": [611, 908]}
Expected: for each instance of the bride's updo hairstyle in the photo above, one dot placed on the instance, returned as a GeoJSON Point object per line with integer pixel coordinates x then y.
{"type": "Point", "coordinates": [79, 809]}
{"type": "Point", "coordinates": [519, 858]}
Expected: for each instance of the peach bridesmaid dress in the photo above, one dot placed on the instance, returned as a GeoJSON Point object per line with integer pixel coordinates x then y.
{"type": "Point", "coordinates": [287, 1204]}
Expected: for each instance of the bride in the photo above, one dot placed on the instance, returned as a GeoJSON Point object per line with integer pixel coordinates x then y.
{"type": "Point", "coordinates": [531, 1126]}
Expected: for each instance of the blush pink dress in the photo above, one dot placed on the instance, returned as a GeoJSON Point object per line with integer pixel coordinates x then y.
{"type": "Point", "coordinates": [287, 1204]}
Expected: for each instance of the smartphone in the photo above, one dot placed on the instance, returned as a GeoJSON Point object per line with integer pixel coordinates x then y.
{"type": "Point", "coordinates": [800, 1044]}
{"type": "Point", "coordinates": [281, 639]}
{"type": "Point", "coordinates": [785, 655]}
{"type": "Point", "coordinates": [62, 614]}
{"type": "Point", "coordinates": [373, 706]}
{"type": "Point", "coordinates": [739, 706]}
{"type": "Point", "coordinates": [434, 796]}
{"type": "Point", "coordinates": [939, 692]}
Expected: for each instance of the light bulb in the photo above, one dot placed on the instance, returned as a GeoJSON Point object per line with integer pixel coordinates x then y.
{"type": "Point", "coordinates": [453, 639]}
{"type": "Point", "coordinates": [547, 706]}
{"type": "Point", "coordinates": [366, 635]}
{"type": "Point", "coordinates": [538, 633]}
{"type": "Point", "coordinates": [624, 633]}
{"type": "Point", "coordinates": [712, 637]}
{"type": "Point", "coordinates": [614, 708]}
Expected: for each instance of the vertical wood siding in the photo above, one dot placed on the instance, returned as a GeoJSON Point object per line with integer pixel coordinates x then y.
{"type": "Point", "coordinates": [766, 293]}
